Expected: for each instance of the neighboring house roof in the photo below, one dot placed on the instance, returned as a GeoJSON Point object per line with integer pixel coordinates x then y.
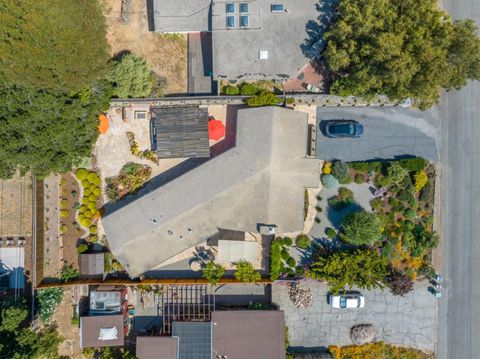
{"type": "Point", "coordinates": [181, 16]}
{"type": "Point", "coordinates": [101, 331]}
{"type": "Point", "coordinates": [195, 339]}
{"type": "Point", "coordinates": [259, 181]}
{"type": "Point", "coordinates": [91, 264]}
{"type": "Point", "coordinates": [157, 347]}
{"type": "Point", "coordinates": [234, 251]}
{"type": "Point", "coordinates": [181, 131]}
{"type": "Point", "coordinates": [12, 267]}
{"type": "Point", "coordinates": [276, 35]}
{"type": "Point", "coordinates": [241, 334]}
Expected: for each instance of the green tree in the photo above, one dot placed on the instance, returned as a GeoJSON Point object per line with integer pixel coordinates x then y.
{"type": "Point", "coordinates": [246, 273]}
{"type": "Point", "coordinates": [396, 173]}
{"type": "Point", "coordinates": [68, 273]}
{"type": "Point", "coordinates": [48, 299]}
{"type": "Point", "coordinates": [361, 227]}
{"type": "Point", "coordinates": [48, 131]}
{"type": "Point", "coordinates": [361, 267]}
{"type": "Point", "coordinates": [263, 98]}
{"type": "Point", "coordinates": [18, 340]}
{"type": "Point", "coordinates": [53, 44]}
{"type": "Point", "coordinates": [131, 77]}
{"type": "Point", "coordinates": [213, 273]}
{"type": "Point", "coordinates": [400, 48]}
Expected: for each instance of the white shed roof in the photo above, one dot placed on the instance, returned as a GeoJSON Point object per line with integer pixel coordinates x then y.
{"type": "Point", "coordinates": [235, 251]}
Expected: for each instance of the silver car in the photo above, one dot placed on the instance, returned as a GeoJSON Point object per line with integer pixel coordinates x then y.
{"type": "Point", "coordinates": [346, 301]}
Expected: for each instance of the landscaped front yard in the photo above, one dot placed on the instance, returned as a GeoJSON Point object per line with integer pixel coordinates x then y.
{"type": "Point", "coordinates": [375, 218]}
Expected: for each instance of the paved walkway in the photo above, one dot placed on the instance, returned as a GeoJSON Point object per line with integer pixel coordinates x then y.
{"type": "Point", "coordinates": [52, 238]}
{"type": "Point", "coordinates": [409, 321]}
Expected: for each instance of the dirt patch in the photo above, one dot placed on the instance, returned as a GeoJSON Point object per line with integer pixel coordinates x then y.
{"type": "Point", "coordinates": [167, 55]}
{"type": "Point", "coordinates": [70, 347]}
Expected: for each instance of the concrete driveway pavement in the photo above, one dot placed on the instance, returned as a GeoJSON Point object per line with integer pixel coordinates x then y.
{"type": "Point", "coordinates": [388, 133]}
{"type": "Point", "coordinates": [409, 321]}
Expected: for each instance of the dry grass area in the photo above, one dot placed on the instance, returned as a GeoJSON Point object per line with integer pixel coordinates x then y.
{"type": "Point", "coordinates": [16, 206]}
{"type": "Point", "coordinates": [167, 55]}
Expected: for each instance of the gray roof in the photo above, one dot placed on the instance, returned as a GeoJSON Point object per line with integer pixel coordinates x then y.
{"type": "Point", "coordinates": [236, 51]}
{"type": "Point", "coordinates": [195, 339]}
{"type": "Point", "coordinates": [181, 131]}
{"type": "Point", "coordinates": [91, 264]}
{"type": "Point", "coordinates": [259, 181]}
{"type": "Point", "coordinates": [181, 15]}
{"type": "Point", "coordinates": [240, 334]}
{"type": "Point", "coordinates": [156, 347]}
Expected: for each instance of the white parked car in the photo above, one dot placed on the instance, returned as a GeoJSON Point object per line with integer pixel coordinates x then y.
{"type": "Point", "coordinates": [346, 301]}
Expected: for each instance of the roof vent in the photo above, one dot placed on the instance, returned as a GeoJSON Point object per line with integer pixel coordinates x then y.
{"type": "Point", "coordinates": [108, 333]}
{"type": "Point", "coordinates": [263, 55]}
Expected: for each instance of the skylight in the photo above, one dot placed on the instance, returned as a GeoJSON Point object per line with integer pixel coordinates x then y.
{"type": "Point", "coordinates": [278, 8]}
{"type": "Point", "coordinates": [244, 21]}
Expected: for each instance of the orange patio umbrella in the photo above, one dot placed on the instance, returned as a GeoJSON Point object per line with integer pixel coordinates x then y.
{"type": "Point", "coordinates": [216, 129]}
{"type": "Point", "coordinates": [103, 124]}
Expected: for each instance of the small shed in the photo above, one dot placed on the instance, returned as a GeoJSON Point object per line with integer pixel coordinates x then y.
{"type": "Point", "coordinates": [102, 331]}
{"type": "Point", "coordinates": [157, 347]}
{"type": "Point", "coordinates": [92, 265]}
{"type": "Point", "coordinates": [181, 131]}
{"type": "Point", "coordinates": [234, 251]}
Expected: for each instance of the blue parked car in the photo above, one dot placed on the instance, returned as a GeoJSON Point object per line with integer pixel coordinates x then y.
{"type": "Point", "coordinates": [343, 128]}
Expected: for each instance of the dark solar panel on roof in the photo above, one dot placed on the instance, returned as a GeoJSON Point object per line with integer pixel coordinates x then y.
{"type": "Point", "coordinates": [195, 339]}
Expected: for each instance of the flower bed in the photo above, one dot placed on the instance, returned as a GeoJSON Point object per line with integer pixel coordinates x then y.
{"type": "Point", "coordinates": [89, 211]}
{"type": "Point", "coordinates": [132, 177]}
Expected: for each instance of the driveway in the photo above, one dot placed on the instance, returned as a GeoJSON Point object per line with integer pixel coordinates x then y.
{"type": "Point", "coordinates": [408, 321]}
{"type": "Point", "coordinates": [388, 133]}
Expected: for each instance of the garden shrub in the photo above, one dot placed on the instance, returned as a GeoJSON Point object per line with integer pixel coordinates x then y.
{"type": "Point", "coordinates": [365, 167]}
{"type": "Point", "coordinates": [97, 191]}
{"type": "Point", "coordinates": [382, 181]}
{"type": "Point", "coordinates": [425, 193]}
{"type": "Point", "coordinates": [87, 214]}
{"type": "Point", "coordinates": [410, 213]}
{"type": "Point", "coordinates": [48, 300]}
{"type": "Point", "coordinates": [330, 232]}
{"type": "Point", "coordinates": [249, 89]}
{"type": "Point", "coordinates": [387, 250]}
{"type": "Point", "coordinates": [93, 229]}
{"type": "Point", "coordinates": [413, 164]}
{"type": "Point", "coordinates": [317, 220]}
{"type": "Point", "coordinates": [343, 199]}
{"type": "Point", "coordinates": [213, 272]}
{"type": "Point", "coordinates": [246, 273]}
{"type": "Point", "coordinates": [63, 228]}
{"type": "Point", "coordinates": [290, 101]}
{"type": "Point", "coordinates": [299, 271]}
{"type": "Point", "coordinates": [93, 238]}
{"type": "Point", "coordinates": [92, 198]}
{"type": "Point", "coordinates": [302, 241]}
{"type": "Point", "coordinates": [359, 179]}
{"type": "Point", "coordinates": [376, 204]}
{"type": "Point", "coordinates": [361, 228]}
{"type": "Point", "coordinates": [85, 200]}
{"type": "Point", "coordinates": [91, 205]}
{"type": "Point", "coordinates": [284, 254]}
{"type": "Point", "coordinates": [64, 203]}
{"type": "Point", "coordinates": [230, 90]}
{"type": "Point", "coordinates": [376, 351]}
{"type": "Point", "coordinates": [396, 173]}
{"type": "Point", "coordinates": [68, 273]}
{"type": "Point", "coordinates": [64, 213]}
{"type": "Point", "coordinates": [399, 283]}
{"type": "Point", "coordinates": [93, 178]}
{"type": "Point", "coordinates": [81, 174]}
{"type": "Point", "coordinates": [263, 98]}
{"type": "Point", "coordinates": [86, 222]}
{"type": "Point", "coordinates": [86, 192]}
{"type": "Point", "coordinates": [82, 248]}
{"type": "Point", "coordinates": [291, 262]}
{"type": "Point", "coordinates": [329, 181]}
{"type": "Point", "coordinates": [276, 266]}
{"type": "Point", "coordinates": [421, 179]}
{"type": "Point", "coordinates": [108, 262]}
{"type": "Point", "coordinates": [341, 172]}
{"type": "Point", "coordinates": [327, 168]}
{"type": "Point", "coordinates": [287, 241]}
{"type": "Point", "coordinates": [83, 209]}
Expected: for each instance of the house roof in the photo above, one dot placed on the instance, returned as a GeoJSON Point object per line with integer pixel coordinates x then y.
{"type": "Point", "coordinates": [101, 331]}
{"type": "Point", "coordinates": [243, 334]}
{"type": "Point", "coordinates": [234, 251]}
{"type": "Point", "coordinates": [181, 16]}
{"type": "Point", "coordinates": [195, 339]}
{"type": "Point", "coordinates": [253, 183]}
{"type": "Point", "coordinates": [157, 347]}
{"type": "Point", "coordinates": [91, 264]}
{"type": "Point", "coordinates": [278, 35]}
{"type": "Point", "coordinates": [181, 131]}
{"type": "Point", "coordinates": [105, 302]}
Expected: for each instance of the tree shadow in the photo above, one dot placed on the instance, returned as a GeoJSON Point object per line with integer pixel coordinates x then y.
{"type": "Point", "coordinates": [336, 217]}
{"type": "Point", "coordinates": [314, 43]}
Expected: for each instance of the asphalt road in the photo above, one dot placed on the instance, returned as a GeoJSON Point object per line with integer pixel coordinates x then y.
{"type": "Point", "coordinates": [389, 132]}
{"type": "Point", "coordinates": [459, 311]}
